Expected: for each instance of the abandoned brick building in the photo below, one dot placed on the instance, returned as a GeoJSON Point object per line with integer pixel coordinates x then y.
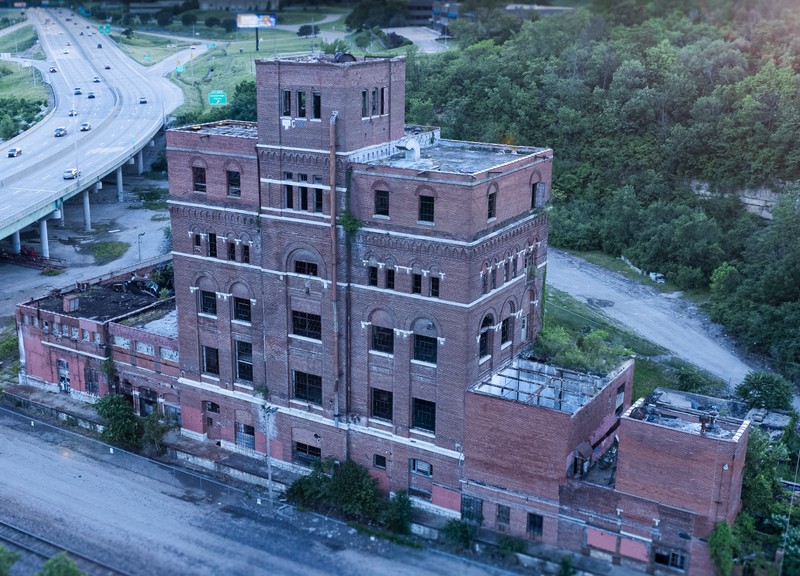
{"type": "Point", "coordinates": [378, 286]}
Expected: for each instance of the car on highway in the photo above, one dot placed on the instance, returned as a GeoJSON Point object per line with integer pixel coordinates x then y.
{"type": "Point", "coordinates": [90, 95]}
{"type": "Point", "coordinates": [71, 173]}
{"type": "Point", "coordinates": [77, 92]}
{"type": "Point", "coordinates": [73, 112]}
{"type": "Point", "coordinates": [14, 152]}
{"type": "Point", "coordinates": [69, 43]}
{"type": "Point", "coordinates": [53, 69]}
{"type": "Point", "coordinates": [81, 34]}
{"type": "Point", "coordinates": [66, 51]}
{"type": "Point", "coordinates": [60, 131]}
{"type": "Point", "coordinates": [85, 127]}
{"type": "Point", "coordinates": [108, 67]}
{"type": "Point", "coordinates": [99, 45]}
{"type": "Point", "coordinates": [96, 79]}
{"type": "Point", "coordinates": [142, 100]}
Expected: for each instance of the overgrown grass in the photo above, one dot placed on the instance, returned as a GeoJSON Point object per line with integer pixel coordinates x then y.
{"type": "Point", "coordinates": [105, 252]}
{"type": "Point", "coordinates": [386, 535]}
{"type": "Point", "coordinates": [8, 345]}
{"type": "Point", "coordinates": [52, 272]}
{"type": "Point", "coordinates": [655, 367]}
{"type": "Point", "coordinates": [151, 199]}
{"type": "Point", "coordinates": [18, 40]}
{"type": "Point", "coordinates": [21, 82]}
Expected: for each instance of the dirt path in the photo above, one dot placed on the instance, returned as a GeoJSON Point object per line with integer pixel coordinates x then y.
{"type": "Point", "coordinates": [666, 319]}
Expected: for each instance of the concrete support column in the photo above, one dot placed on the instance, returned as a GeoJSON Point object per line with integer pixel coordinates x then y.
{"type": "Point", "coordinates": [140, 162]}
{"type": "Point", "coordinates": [119, 185]}
{"type": "Point", "coordinates": [16, 245]}
{"type": "Point", "coordinates": [43, 236]}
{"type": "Point", "coordinates": [87, 213]}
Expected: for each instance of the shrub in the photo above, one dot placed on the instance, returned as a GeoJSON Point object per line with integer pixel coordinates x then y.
{"type": "Point", "coordinates": [459, 533]}
{"type": "Point", "coordinates": [60, 565]}
{"type": "Point", "coordinates": [311, 491]}
{"type": "Point", "coordinates": [510, 545]}
{"type": "Point", "coordinates": [397, 514]}
{"type": "Point", "coordinates": [122, 427]}
{"type": "Point", "coordinates": [354, 492]}
{"type": "Point", "coordinates": [765, 390]}
{"type": "Point", "coordinates": [7, 559]}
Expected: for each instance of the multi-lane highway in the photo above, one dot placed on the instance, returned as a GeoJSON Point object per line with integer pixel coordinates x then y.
{"type": "Point", "coordinates": [32, 186]}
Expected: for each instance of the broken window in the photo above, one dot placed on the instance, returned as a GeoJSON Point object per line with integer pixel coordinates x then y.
{"type": "Point", "coordinates": [505, 331]}
{"type": "Point", "coordinates": [390, 278]}
{"type": "Point", "coordinates": [372, 273]}
{"type": "Point", "coordinates": [382, 404]}
{"type": "Point", "coordinates": [234, 179]}
{"type": "Point", "coordinates": [420, 467]}
{"type": "Point", "coordinates": [305, 268]}
{"type": "Point", "coordinates": [208, 302]}
{"type": "Point", "coordinates": [364, 110]}
{"type": "Point", "coordinates": [485, 338]}
{"type": "Point", "coordinates": [301, 104]}
{"type": "Point", "coordinates": [212, 245]}
{"type": "Point", "coordinates": [535, 525]}
{"type": "Point", "coordinates": [502, 518]}
{"type": "Point", "coordinates": [210, 360]}
{"type": "Point", "coordinates": [416, 285]}
{"type": "Point", "coordinates": [288, 191]}
{"type": "Point", "coordinates": [434, 287]}
{"type": "Point", "coordinates": [492, 206]}
{"type": "Point", "coordinates": [245, 254]}
{"type": "Point", "coordinates": [199, 179]}
{"type": "Point", "coordinates": [472, 509]}
{"type": "Point", "coordinates": [306, 454]}
{"type": "Point", "coordinates": [379, 461]}
{"type": "Point", "coordinates": [90, 381]}
{"type": "Point", "coordinates": [245, 436]}
{"type": "Point", "coordinates": [241, 309]}
{"type": "Point", "coordinates": [244, 361]}
{"type": "Point", "coordinates": [425, 348]}
{"type": "Point", "coordinates": [303, 191]}
{"type": "Point", "coordinates": [423, 415]}
{"type": "Point", "coordinates": [286, 103]}
{"type": "Point", "coordinates": [316, 105]}
{"type": "Point", "coordinates": [307, 325]}
{"type": "Point", "coordinates": [383, 339]}
{"type": "Point", "coordinates": [670, 558]}
{"type": "Point", "coordinates": [308, 387]}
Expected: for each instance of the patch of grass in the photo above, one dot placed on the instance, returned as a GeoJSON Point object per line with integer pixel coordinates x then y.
{"type": "Point", "coordinates": [159, 217]}
{"type": "Point", "coordinates": [18, 82]}
{"type": "Point", "coordinates": [616, 265]}
{"type": "Point", "coordinates": [649, 375]}
{"type": "Point", "coordinates": [577, 319]}
{"type": "Point", "coordinates": [105, 252]}
{"type": "Point", "coordinates": [386, 535]}
{"type": "Point", "coordinates": [52, 272]}
{"type": "Point", "coordinates": [140, 45]}
{"type": "Point", "coordinates": [18, 40]}
{"type": "Point", "coordinates": [151, 198]}
{"type": "Point", "coordinates": [8, 346]}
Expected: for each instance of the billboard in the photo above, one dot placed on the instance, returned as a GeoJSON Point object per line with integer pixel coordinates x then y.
{"type": "Point", "coordinates": [255, 20]}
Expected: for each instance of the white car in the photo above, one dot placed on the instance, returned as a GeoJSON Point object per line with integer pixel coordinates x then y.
{"type": "Point", "coordinates": [71, 173]}
{"type": "Point", "coordinates": [14, 152]}
{"type": "Point", "coordinates": [85, 127]}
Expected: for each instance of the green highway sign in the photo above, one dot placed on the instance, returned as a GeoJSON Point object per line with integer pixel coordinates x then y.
{"type": "Point", "coordinates": [211, 45]}
{"type": "Point", "coordinates": [217, 98]}
{"type": "Point", "coordinates": [104, 28]}
{"type": "Point", "coordinates": [180, 68]}
{"type": "Point", "coordinates": [146, 56]}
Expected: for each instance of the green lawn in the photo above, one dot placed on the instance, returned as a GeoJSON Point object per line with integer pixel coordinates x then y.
{"type": "Point", "coordinates": [22, 82]}
{"type": "Point", "coordinates": [18, 40]}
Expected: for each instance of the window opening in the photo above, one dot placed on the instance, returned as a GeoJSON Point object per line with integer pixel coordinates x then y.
{"type": "Point", "coordinates": [492, 206]}
{"type": "Point", "coordinates": [307, 325]}
{"type": "Point", "coordinates": [288, 191]}
{"type": "Point", "coordinates": [244, 360]}
{"type": "Point", "coordinates": [316, 105]}
{"type": "Point", "coordinates": [382, 404]}
{"type": "Point", "coordinates": [372, 273]}
{"type": "Point", "coordinates": [421, 467]}
{"type": "Point", "coordinates": [241, 309]}
{"type": "Point", "coordinates": [308, 387]}
{"type": "Point", "coordinates": [301, 104]}
{"type": "Point", "coordinates": [306, 453]}
{"type": "Point", "coordinates": [416, 286]}
{"type": "Point", "coordinates": [434, 287]}
{"type": "Point", "coordinates": [425, 349]}
{"type": "Point", "coordinates": [234, 183]}
{"type": "Point", "coordinates": [199, 179]}
{"type": "Point", "coordinates": [210, 360]}
{"type": "Point", "coordinates": [212, 245]}
{"type": "Point", "coordinates": [383, 339]}
{"type": "Point", "coordinates": [286, 103]}
{"type": "Point", "coordinates": [381, 202]}
{"type": "Point", "coordinates": [208, 302]}
{"type": "Point", "coordinates": [305, 268]}
{"type": "Point", "coordinates": [390, 278]}
{"type": "Point", "coordinates": [423, 415]}
{"type": "Point", "coordinates": [426, 208]}
{"type": "Point", "coordinates": [379, 461]}
{"type": "Point", "coordinates": [245, 436]}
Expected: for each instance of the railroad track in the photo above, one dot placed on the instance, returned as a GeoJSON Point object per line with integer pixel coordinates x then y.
{"type": "Point", "coordinates": [43, 548]}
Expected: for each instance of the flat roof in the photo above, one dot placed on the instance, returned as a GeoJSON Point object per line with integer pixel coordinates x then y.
{"type": "Point", "coordinates": [160, 320]}
{"type": "Point", "coordinates": [707, 422]}
{"type": "Point", "coordinates": [458, 157]}
{"type": "Point", "coordinates": [544, 385]}
{"type": "Point", "coordinates": [233, 128]}
{"type": "Point", "coordinates": [97, 302]}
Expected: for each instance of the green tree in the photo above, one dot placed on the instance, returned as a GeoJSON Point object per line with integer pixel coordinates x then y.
{"type": "Point", "coordinates": [122, 427]}
{"type": "Point", "coordinates": [397, 514]}
{"type": "Point", "coordinates": [765, 390]}
{"type": "Point", "coordinates": [229, 24]}
{"type": "Point", "coordinates": [721, 546]}
{"type": "Point", "coordinates": [212, 21]}
{"type": "Point", "coordinates": [306, 30]}
{"type": "Point", "coordinates": [335, 47]}
{"type": "Point", "coordinates": [354, 492]}
{"type": "Point", "coordinates": [154, 426]}
{"type": "Point", "coordinates": [7, 559]}
{"type": "Point", "coordinates": [188, 19]}
{"type": "Point", "coordinates": [761, 478]}
{"type": "Point", "coordinates": [60, 565]}
{"type": "Point", "coordinates": [164, 18]}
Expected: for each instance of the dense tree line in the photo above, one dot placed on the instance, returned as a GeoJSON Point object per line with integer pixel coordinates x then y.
{"type": "Point", "coordinates": [643, 104]}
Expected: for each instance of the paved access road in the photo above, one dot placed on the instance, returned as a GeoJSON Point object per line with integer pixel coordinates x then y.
{"type": "Point", "coordinates": [143, 521]}
{"type": "Point", "coordinates": [668, 320]}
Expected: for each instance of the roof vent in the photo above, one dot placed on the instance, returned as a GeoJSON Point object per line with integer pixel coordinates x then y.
{"type": "Point", "coordinates": [411, 148]}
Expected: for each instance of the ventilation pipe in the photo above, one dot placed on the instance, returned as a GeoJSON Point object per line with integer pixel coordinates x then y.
{"type": "Point", "coordinates": [334, 262]}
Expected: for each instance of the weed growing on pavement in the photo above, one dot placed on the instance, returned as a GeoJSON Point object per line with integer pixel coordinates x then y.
{"type": "Point", "coordinates": [151, 199]}
{"type": "Point", "coordinates": [386, 535]}
{"type": "Point", "coordinates": [105, 252]}
{"type": "Point", "coordinates": [50, 271]}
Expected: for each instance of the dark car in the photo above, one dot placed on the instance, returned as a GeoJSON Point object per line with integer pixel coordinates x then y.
{"type": "Point", "coordinates": [77, 92]}
{"type": "Point", "coordinates": [99, 45]}
{"type": "Point", "coordinates": [60, 131]}
{"type": "Point", "coordinates": [90, 95]}
{"type": "Point", "coordinates": [108, 67]}
{"type": "Point", "coordinates": [142, 100]}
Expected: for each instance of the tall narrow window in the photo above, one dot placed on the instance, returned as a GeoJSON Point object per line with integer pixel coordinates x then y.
{"type": "Point", "coordinates": [303, 191]}
{"type": "Point", "coordinates": [416, 284]}
{"type": "Point", "coordinates": [423, 415]}
{"type": "Point", "coordinates": [382, 404]}
{"type": "Point", "coordinates": [372, 274]}
{"type": "Point", "coordinates": [198, 240]}
{"type": "Point", "coordinates": [505, 330]}
{"type": "Point", "coordinates": [317, 200]}
{"type": "Point", "coordinates": [199, 179]}
{"type": "Point", "coordinates": [308, 387]}
{"type": "Point", "coordinates": [493, 277]}
{"type": "Point", "coordinates": [492, 205]}
{"type": "Point", "coordinates": [234, 183]}
{"type": "Point", "coordinates": [425, 348]}
{"type": "Point", "coordinates": [535, 525]}
{"type": "Point", "coordinates": [241, 309]}
{"type": "Point", "coordinates": [383, 101]}
{"type": "Point", "coordinates": [506, 271]}
{"type": "Point", "coordinates": [374, 102]}
{"type": "Point", "coordinates": [288, 191]}
{"type": "Point", "coordinates": [231, 251]}
{"type": "Point", "coordinates": [90, 380]}
{"type": "Point", "coordinates": [485, 341]}
{"type": "Point", "coordinates": [286, 103]}
{"type": "Point", "coordinates": [364, 109]}
{"type": "Point", "coordinates": [503, 518]}
{"type": "Point", "coordinates": [383, 339]}
{"type": "Point", "coordinates": [316, 105]}
{"type": "Point", "coordinates": [434, 287]}
{"type": "Point", "coordinates": [381, 202]}
{"type": "Point", "coordinates": [426, 205]}
{"type": "Point", "coordinates": [390, 278]}
{"type": "Point", "coordinates": [246, 253]}
{"type": "Point", "coordinates": [244, 361]}
{"type": "Point", "coordinates": [212, 245]}
{"type": "Point", "coordinates": [514, 266]}
{"type": "Point", "coordinates": [208, 302]}
{"type": "Point", "coordinates": [301, 104]}
{"type": "Point", "coordinates": [210, 360]}
{"type": "Point", "coordinates": [307, 325]}
{"type": "Point", "coordinates": [538, 194]}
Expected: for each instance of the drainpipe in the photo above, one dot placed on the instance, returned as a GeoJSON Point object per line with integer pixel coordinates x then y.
{"type": "Point", "coordinates": [334, 257]}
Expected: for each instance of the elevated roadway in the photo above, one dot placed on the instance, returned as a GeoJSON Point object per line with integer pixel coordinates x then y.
{"type": "Point", "coordinates": [32, 186]}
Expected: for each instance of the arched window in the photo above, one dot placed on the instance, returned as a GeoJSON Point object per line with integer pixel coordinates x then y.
{"type": "Point", "coordinates": [381, 332]}
{"type": "Point", "coordinates": [485, 338]}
